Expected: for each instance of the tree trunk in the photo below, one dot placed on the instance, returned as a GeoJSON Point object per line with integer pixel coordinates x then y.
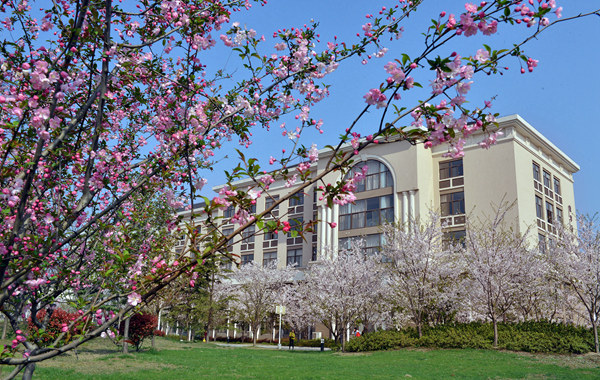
{"type": "Point", "coordinates": [495, 322]}
{"type": "Point", "coordinates": [595, 327]}
{"type": "Point", "coordinates": [28, 373]}
{"type": "Point", "coordinates": [4, 328]}
{"type": "Point", "coordinates": [419, 330]}
{"type": "Point", "coordinates": [126, 337]}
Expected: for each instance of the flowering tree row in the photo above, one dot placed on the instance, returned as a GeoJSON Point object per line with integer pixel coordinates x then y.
{"type": "Point", "coordinates": [420, 279]}
{"type": "Point", "coordinates": [109, 106]}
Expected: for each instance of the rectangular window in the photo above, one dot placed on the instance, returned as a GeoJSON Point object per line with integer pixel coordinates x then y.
{"type": "Point", "coordinates": [546, 179]}
{"type": "Point", "coordinates": [536, 172]}
{"type": "Point", "coordinates": [450, 169]}
{"type": "Point", "coordinates": [270, 235]}
{"type": "Point", "coordinates": [247, 259]}
{"type": "Point", "coordinates": [297, 199]}
{"type": "Point", "coordinates": [371, 243]}
{"type": "Point", "coordinates": [549, 212]}
{"type": "Point", "coordinates": [294, 256]}
{"type": "Point", "coordinates": [248, 235]}
{"type": "Point", "coordinates": [542, 243]}
{"type": "Point", "coordinates": [454, 238]}
{"type": "Point", "coordinates": [557, 185]}
{"type": "Point", "coordinates": [269, 201]}
{"type": "Point", "coordinates": [367, 213]}
{"type": "Point", "coordinates": [296, 224]}
{"type": "Point", "coordinates": [453, 203]}
{"type": "Point", "coordinates": [269, 258]}
{"type": "Point", "coordinates": [227, 232]}
{"type": "Point", "coordinates": [314, 253]}
{"type": "Point", "coordinates": [229, 212]}
{"type": "Point", "coordinates": [559, 215]}
{"type": "Point", "coordinates": [539, 207]}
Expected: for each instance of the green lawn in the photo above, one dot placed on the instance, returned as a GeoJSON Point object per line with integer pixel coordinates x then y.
{"type": "Point", "coordinates": [175, 360]}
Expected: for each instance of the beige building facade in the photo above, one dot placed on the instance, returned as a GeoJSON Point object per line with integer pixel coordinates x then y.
{"type": "Point", "coordinates": [405, 182]}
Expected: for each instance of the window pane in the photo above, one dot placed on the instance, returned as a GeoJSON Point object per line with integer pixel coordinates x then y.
{"type": "Point", "coordinates": [358, 220]}
{"type": "Point", "coordinates": [536, 172]}
{"type": "Point", "coordinates": [372, 218]}
{"type": "Point", "coordinates": [345, 222]}
{"type": "Point", "coordinates": [373, 204]}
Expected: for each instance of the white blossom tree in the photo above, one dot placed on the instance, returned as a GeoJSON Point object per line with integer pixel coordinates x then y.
{"type": "Point", "coordinates": [342, 287]}
{"type": "Point", "coordinates": [255, 290]}
{"type": "Point", "coordinates": [496, 260]}
{"type": "Point", "coordinates": [576, 262]}
{"type": "Point", "coordinates": [421, 269]}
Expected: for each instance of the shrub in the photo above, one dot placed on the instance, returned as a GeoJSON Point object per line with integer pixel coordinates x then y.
{"type": "Point", "coordinates": [59, 321]}
{"type": "Point", "coordinates": [526, 336]}
{"type": "Point", "coordinates": [141, 326]}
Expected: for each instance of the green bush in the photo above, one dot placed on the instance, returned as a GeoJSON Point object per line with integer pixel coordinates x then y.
{"type": "Point", "coordinates": [542, 337]}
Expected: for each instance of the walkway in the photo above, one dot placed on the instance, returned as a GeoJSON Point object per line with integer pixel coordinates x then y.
{"type": "Point", "coordinates": [271, 346]}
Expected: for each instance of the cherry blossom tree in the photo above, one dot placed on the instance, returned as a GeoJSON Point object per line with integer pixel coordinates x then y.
{"type": "Point", "coordinates": [496, 261]}
{"type": "Point", "coordinates": [343, 287]}
{"type": "Point", "coordinates": [576, 262]}
{"type": "Point", "coordinates": [103, 102]}
{"type": "Point", "coordinates": [255, 290]}
{"type": "Point", "coordinates": [422, 269]}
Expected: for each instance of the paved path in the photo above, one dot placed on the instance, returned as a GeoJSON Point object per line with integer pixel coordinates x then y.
{"type": "Point", "coordinates": [271, 346]}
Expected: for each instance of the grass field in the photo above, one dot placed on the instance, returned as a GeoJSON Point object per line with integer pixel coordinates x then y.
{"type": "Point", "coordinates": [175, 360]}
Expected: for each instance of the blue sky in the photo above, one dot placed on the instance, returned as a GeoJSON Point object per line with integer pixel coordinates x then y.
{"type": "Point", "coordinates": [560, 98]}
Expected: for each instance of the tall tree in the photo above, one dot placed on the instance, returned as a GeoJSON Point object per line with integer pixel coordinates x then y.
{"type": "Point", "coordinates": [255, 290]}
{"type": "Point", "coordinates": [576, 262]}
{"type": "Point", "coordinates": [496, 261]}
{"type": "Point", "coordinates": [422, 269]}
{"type": "Point", "coordinates": [340, 288]}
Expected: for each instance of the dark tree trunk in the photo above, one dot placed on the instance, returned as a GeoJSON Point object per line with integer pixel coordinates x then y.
{"type": "Point", "coordinates": [28, 372]}
{"type": "Point", "coordinates": [126, 337]}
{"type": "Point", "coordinates": [4, 328]}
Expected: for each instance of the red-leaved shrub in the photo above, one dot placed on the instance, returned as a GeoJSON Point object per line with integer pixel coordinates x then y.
{"type": "Point", "coordinates": [59, 321]}
{"type": "Point", "coordinates": [141, 326]}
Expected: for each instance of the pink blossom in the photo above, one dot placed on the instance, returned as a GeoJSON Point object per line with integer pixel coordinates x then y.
{"type": "Point", "coordinates": [482, 55]}
{"type": "Point", "coordinates": [280, 46]}
{"type": "Point", "coordinates": [472, 8]}
{"type": "Point", "coordinates": [558, 12]}
{"type": "Point", "coordinates": [134, 299]}
{"type": "Point", "coordinates": [291, 181]}
{"type": "Point", "coordinates": [468, 26]}
{"type": "Point", "coordinates": [395, 72]}
{"type": "Point", "coordinates": [313, 153]}
{"type": "Point", "coordinates": [375, 97]}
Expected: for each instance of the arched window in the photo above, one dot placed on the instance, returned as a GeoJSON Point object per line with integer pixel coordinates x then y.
{"type": "Point", "coordinates": [369, 209]}
{"type": "Point", "coordinates": [378, 176]}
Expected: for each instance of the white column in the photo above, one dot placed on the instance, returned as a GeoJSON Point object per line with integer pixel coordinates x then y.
{"type": "Point", "coordinates": [411, 197]}
{"type": "Point", "coordinates": [335, 231]}
{"type": "Point", "coordinates": [347, 332]}
{"type": "Point", "coordinates": [273, 334]}
{"type": "Point", "coordinates": [227, 329]}
{"type": "Point", "coordinates": [234, 330]}
{"type": "Point", "coordinates": [322, 229]}
{"type": "Point", "coordinates": [397, 208]}
{"type": "Point", "coordinates": [328, 227]}
{"type": "Point", "coordinates": [404, 209]}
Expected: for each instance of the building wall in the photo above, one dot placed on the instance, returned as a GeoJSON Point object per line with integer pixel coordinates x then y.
{"type": "Point", "coordinates": [502, 173]}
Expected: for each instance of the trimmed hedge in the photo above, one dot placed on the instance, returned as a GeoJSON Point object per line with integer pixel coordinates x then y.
{"type": "Point", "coordinates": [527, 336]}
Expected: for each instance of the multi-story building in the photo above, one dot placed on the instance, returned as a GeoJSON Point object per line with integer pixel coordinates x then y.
{"type": "Point", "coordinates": [406, 181]}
